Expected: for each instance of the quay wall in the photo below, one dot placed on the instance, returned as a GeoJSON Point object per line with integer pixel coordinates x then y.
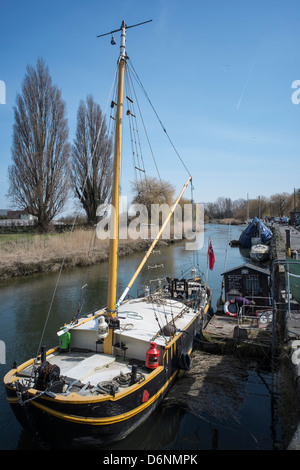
{"type": "Point", "coordinates": [286, 242]}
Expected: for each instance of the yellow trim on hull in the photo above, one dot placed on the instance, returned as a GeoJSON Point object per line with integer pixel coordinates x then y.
{"type": "Point", "coordinates": [12, 400]}
{"type": "Point", "coordinates": [108, 420]}
{"type": "Point", "coordinates": [11, 375]}
{"type": "Point", "coordinates": [76, 399]}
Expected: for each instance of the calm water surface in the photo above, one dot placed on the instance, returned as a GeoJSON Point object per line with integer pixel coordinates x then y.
{"type": "Point", "coordinates": [24, 305]}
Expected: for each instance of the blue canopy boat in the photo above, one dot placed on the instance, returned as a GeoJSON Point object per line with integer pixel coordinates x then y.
{"type": "Point", "coordinates": [255, 229]}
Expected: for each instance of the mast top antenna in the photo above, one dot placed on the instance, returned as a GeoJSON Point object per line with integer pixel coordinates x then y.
{"type": "Point", "coordinates": [122, 26]}
{"type": "Point", "coordinates": [123, 34]}
{"type": "Point", "coordinates": [120, 29]}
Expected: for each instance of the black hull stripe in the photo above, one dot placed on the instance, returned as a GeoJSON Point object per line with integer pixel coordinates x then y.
{"type": "Point", "coordinates": [107, 420]}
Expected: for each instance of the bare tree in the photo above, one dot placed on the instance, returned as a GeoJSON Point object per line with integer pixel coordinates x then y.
{"type": "Point", "coordinates": [155, 195]}
{"type": "Point", "coordinates": [239, 209]}
{"type": "Point", "coordinates": [38, 176]}
{"type": "Point", "coordinates": [91, 159]}
{"type": "Point", "coordinates": [153, 191]}
{"type": "Point", "coordinates": [222, 208]}
{"type": "Point", "coordinates": [281, 203]}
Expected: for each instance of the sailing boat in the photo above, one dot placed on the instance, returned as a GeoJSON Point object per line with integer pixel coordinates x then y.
{"type": "Point", "coordinates": [113, 367]}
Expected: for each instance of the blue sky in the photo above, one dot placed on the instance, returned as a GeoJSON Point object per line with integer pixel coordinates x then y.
{"type": "Point", "coordinates": [219, 73]}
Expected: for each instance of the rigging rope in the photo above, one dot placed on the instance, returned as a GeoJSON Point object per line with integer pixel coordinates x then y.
{"type": "Point", "coordinates": [134, 132]}
{"type": "Point", "coordinates": [134, 135]}
{"type": "Point", "coordinates": [91, 254]}
{"type": "Point", "coordinates": [143, 123]}
{"type": "Point", "coordinates": [139, 165]}
{"type": "Point", "coordinates": [134, 73]}
{"type": "Point", "coordinates": [163, 127]}
{"type": "Point", "coordinates": [135, 139]}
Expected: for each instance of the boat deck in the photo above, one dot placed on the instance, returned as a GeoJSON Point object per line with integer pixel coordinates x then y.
{"type": "Point", "coordinates": [83, 364]}
{"type": "Point", "coordinates": [141, 321]}
{"type": "Point", "coordinates": [87, 368]}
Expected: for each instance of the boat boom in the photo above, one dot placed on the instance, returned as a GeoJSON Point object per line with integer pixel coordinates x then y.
{"type": "Point", "coordinates": [152, 245]}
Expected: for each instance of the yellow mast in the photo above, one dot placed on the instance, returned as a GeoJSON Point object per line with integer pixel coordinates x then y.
{"type": "Point", "coordinates": [114, 227]}
{"type": "Point", "coordinates": [114, 233]}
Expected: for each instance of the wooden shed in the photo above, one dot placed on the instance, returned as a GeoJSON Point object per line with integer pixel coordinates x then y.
{"type": "Point", "coordinates": [247, 281]}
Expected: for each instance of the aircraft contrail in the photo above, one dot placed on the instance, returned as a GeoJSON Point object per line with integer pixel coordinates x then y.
{"type": "Point", "coordinates": [248, 77]}
{"type": "Point", "coordinates": [244, 89]}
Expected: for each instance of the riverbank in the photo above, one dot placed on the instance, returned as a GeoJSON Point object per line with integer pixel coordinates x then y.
{"type": "Point", "coordinates": [26, 254]}
{"type": "Point", "coordinates": [228, 221]}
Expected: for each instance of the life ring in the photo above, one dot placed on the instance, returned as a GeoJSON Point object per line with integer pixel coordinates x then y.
{"type": "Point", "coordinates": [227, 309]}
{"type": "Point", "coordinates": [184, 361]}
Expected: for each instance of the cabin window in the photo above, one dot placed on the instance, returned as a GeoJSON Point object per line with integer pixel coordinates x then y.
{"type": "Point", "coordinates": [252, 285]}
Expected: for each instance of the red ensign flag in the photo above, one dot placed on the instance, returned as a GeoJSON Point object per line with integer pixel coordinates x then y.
{"type": "Point", "coordinates": [211, 256]}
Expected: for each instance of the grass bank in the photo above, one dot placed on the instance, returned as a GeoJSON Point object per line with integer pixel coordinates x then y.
{"type": "Point", "coordinates": [25, 254]}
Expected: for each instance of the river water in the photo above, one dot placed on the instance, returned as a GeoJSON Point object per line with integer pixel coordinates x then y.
{"type": "Point", "coordinates": [24, 304]}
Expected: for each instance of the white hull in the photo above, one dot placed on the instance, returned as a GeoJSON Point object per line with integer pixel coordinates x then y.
{"type": "Point", "coordinates": [260, 252]}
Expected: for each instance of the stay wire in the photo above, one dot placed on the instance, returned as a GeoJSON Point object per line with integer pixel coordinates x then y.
{"type": "Point", "coordinates": [134, 135]}
{"type": "Point", "coordinates": [140, 162]}
{"type": "Point", "coordinates": [141, 181]}
{"type": "Point", "coordinates": [165, 131]}
{"type": "Point", "coordinates": [91, 254]}
{"type": "Point", "coordinates": [147, 186]}
{"type": "Point", "coordinates": [163, 127]}
{"type": "Point", "coordinates": [143, 123]}
{"type": "Point", "coordinates": [136, 145]}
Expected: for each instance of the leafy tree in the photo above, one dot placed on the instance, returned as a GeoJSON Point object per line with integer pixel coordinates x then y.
{"type": "Point", "coordinates": [39, 174]}
{"type": "Point", "coordinates": [91, 159]}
